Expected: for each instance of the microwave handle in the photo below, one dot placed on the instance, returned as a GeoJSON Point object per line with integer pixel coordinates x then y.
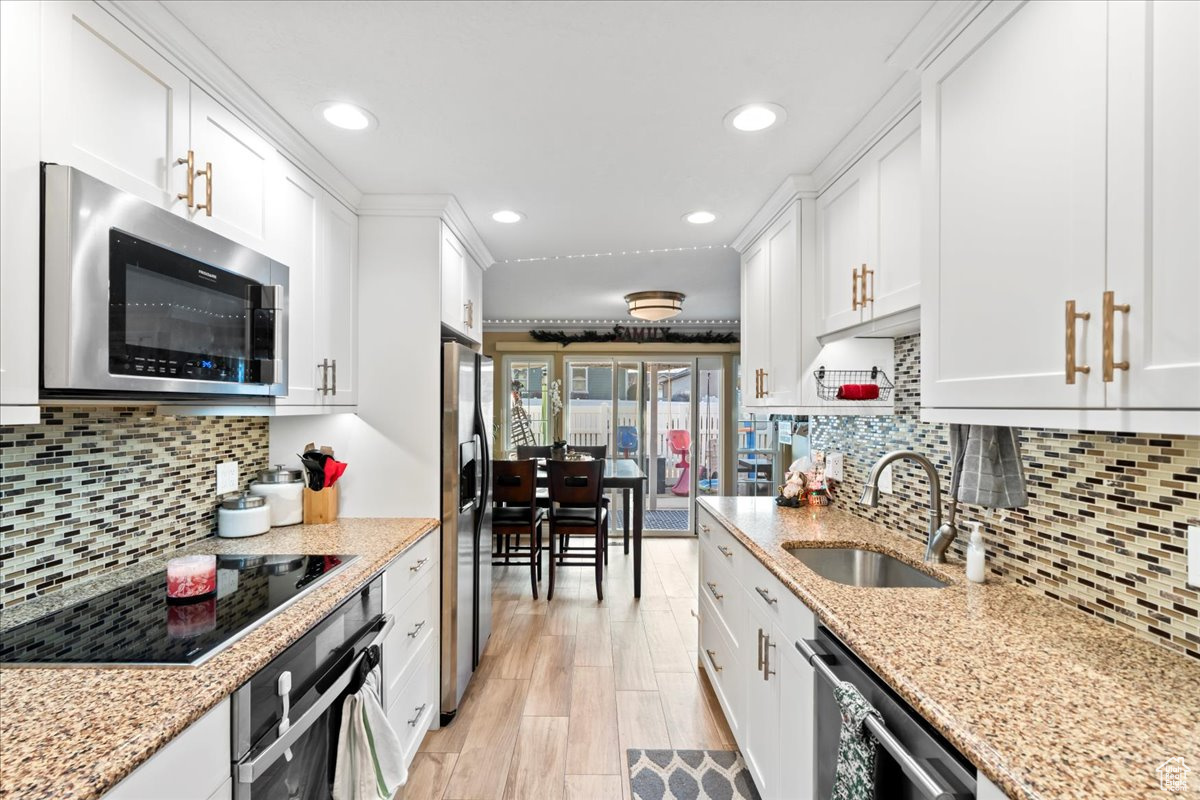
{"type": "Point", "coordinates": [270, 297]}
{"type": "Point", "coordinates": [253, 768]}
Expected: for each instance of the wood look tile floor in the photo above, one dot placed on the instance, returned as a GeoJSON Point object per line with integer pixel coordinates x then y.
{"type": "Point", "coordinates": [565, 687]}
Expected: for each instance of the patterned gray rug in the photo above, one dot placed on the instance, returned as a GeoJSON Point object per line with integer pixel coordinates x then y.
{"type": "Point", "coordinates": [689, 775]}
{"type": "Point", "coordinates": [658, 520]}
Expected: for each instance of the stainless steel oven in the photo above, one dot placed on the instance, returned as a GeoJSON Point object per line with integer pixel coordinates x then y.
{"type": "Point", "coordinates": [287, 717]}
{"type": "Point", "coordinates": [139, 301]}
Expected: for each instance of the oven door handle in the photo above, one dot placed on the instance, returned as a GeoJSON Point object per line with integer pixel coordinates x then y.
{"type": "Point", "coordinates": [253, 768]}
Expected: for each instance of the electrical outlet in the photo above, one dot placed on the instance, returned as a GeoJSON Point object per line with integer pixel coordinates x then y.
{"type": "Point", "coordinates": [833, 466]}
{"type": "Point", "coordinates": [1193, 556]}
{"type": "Point", "coordinates": [227, 477]}
{"type": "Point", "coordinates": [885, 480]}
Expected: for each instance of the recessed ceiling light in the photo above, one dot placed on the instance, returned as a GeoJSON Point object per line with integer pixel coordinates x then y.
{"type": "Point", "coordinates": [507, 216]}
{"type": "Point", "coordinates": [346, 116]}
{"type": "Point", "coordinates": [699, 217]}
{"type": "Point", "coordinates": [755, 117]}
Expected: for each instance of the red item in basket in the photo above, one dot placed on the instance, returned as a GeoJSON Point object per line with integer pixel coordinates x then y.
{"type": "Point", "coordinates": [858, 391]}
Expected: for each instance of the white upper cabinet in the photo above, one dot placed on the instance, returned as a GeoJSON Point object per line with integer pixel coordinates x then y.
{"type": "Point", "coordinates": [234, 173]}
{"type": "Point", "coordinates": [338, 302]}
{"type": "Point", "coordinates": [1014, 131]}
{"type": "Point", "coordinates": [1154, 204]}
{"type": "Point", "coordinates": [111, 106]}
{"type": "Point", "coordinates": [462, 288]}
{"type": "Point", "coordinates": [1061, 194]}
{"type": "Point", "coordinates": [869, 226]}
{"type": "Point", "coordinates": [770, 354]}
{"type": "Point", "coordinates": [294, 223]}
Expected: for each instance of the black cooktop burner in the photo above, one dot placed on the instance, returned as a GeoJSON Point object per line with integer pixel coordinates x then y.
{"type": "Point", "coordinates": [135, 624]}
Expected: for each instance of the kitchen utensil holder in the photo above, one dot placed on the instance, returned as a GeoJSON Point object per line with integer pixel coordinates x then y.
{"type": "Point", "coordinates": [320, 507]}
{"type": "Point", "coordinates": [830, 380]}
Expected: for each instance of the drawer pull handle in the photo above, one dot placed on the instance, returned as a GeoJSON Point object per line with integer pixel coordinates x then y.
{"type": "Point", "coordinates": [413, 633]}
{"type": "Point", "coordinates": [420, 710]}
{"type": "Point", "coordinates": [763, 593]}
{"type": "Point", "coordinates": [725, 551]}
{"type": "Point", "coordinates": [712, 657]}
{"type": "Point", "coordinates": [417, 566]}
{"type": "Point", "coordinates": [712, 587]}
{"type": "Point", "coordinates": [704, 527]}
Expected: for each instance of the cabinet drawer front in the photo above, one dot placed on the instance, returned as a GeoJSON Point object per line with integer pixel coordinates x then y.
{"type": "Point", "coordinates": [719, 586]}
{"type": "Point", "coordinates": [412, 709]}
{"type": "Point", "coordinates": [416, 621]}
{"type": "Point", "coordinates": [765, 591]}
{"type": "Point", "coordinates": [721, 540]}
{"type": "Point", "coordinates": [194, 763]}
{"type": "Point", "coordinates": [720, 659]}
{"type": "Point", "coordinates": [410, 569]}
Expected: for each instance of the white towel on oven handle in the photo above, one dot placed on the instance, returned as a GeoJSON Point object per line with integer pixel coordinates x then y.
{"type": "Point", "coordinates": [370, 760]}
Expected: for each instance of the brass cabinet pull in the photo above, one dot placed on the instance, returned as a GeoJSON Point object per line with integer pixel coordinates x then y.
{"type": "Point", "coordinates": [712, 656]}
{"type": "Point", "coordinates": [190, 194]}
{"type": "Point", "coordinates": [868, 298]}
{"type": "Point", "coordinates": [1073, 315]}
{"type": "Point", "coordinates": [765, 390]}
{"type": "Point", "coordinates": [1109, 308]}
{"type": "Point", "coordinates": [725, 551]}
{"type": "Point", "coordinates": [207, 172]}
{"type": "Point", "coordinates": [712, 587]}
{"type": "Point", "coordinates": [854, 289]}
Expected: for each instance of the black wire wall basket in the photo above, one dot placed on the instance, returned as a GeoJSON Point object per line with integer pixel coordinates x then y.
{"type": "Point", "coordinates": [850, 385]}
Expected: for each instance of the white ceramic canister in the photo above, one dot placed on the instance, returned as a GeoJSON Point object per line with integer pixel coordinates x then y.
{"type": "Point", "coordinates": [243, 515]}
{"type": "Point", "coordinates": [284, 490]}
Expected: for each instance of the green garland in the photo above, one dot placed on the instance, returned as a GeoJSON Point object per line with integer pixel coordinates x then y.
{"type": "Point", "coordinates": [620, 333]}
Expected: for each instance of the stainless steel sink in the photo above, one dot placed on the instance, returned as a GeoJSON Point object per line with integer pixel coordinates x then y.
{"type": "Point", "coordinates": [855, 567]}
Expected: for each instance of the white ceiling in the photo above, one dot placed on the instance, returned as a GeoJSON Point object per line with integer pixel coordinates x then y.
{"type": "Point", "coordinates": [600, 121]}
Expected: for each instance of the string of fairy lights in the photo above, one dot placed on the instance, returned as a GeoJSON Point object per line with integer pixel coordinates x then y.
{"type": "Point", "coordinates": [610, 254]}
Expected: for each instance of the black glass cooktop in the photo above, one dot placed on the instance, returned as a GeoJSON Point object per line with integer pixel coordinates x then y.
{"type": "Point", "coordinates": [137, 624]}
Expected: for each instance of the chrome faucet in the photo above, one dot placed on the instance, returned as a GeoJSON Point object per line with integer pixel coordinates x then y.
{"type": "Point", "coordinates": [940, 535]}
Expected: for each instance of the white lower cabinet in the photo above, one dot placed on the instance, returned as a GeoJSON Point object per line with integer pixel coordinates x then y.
{"type": "Point", "coordinates": [749, 623]}
{"type": "Point", "coordinates": [195, 764]}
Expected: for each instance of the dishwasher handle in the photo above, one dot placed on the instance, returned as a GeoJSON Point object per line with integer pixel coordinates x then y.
{"type": "Point", "coordinates": [251, 768]}
{"type": "Point", "coordinates": [929, 784]}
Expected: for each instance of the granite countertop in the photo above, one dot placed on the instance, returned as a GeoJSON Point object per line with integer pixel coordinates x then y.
{"type": "Point", "coordinates": [75, 732]}
{"type": "Point", "coordinates": [1044, 700]}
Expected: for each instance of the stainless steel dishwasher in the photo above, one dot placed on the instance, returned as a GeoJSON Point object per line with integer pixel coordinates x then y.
{"type": "Point", "coordinates": [914, 761]}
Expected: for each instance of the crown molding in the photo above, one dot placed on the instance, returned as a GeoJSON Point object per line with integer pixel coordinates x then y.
{"type": "Point", "coordinates": [160, 29]}
{"type": "Point", "coordinates": [794, 187]}
{"type": "Point", "coordinates": [938, 26]}
{"type": "Point", "coordinates": [444, 206]}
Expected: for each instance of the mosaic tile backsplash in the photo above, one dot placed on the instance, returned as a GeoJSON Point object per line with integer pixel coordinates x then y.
{"type": "Point", "coordinates": [92, 489]}
{"type": "Point", "coordinates": [1106, 527]}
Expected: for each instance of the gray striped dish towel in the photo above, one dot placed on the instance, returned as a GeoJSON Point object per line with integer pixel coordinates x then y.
{"type": "Point", "coordinates": [987, 466]}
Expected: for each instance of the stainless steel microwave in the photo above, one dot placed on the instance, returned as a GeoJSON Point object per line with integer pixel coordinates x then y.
{"type": "Point", "coordinates": [137, 301]}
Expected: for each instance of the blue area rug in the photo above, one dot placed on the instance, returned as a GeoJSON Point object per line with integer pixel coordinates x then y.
{"type": "Point", "coordinates": [675, 519]}
{"type": "Point", "coordinates": [689, 775]}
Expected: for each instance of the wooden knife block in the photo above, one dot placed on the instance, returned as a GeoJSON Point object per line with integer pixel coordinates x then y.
{"type": "Point", "coordinates": [320, 507]}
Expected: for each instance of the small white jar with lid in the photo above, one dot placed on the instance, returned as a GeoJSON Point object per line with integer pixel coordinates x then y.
{"type": "Point", "coordinates": [284, 490]}
{"type": "Point", "coordinates": [243, 514]}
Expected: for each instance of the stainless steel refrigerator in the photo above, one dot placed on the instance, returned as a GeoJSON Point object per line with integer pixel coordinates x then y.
{"type": "Point", "coordinates": [466, 518]}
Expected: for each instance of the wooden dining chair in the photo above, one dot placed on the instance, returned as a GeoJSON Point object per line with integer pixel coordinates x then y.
{"type": "Point", "coordinates": [576, 509]}
{"type": "Point", "coordinates": [597, 451]}
{"type": "Point", "coordinates": [515, 512]}
{"type": "Point", "coordinates": [543, 452]}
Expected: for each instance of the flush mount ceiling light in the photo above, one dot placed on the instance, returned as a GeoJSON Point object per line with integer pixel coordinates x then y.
{"type": "Point", "coordinates": [346, 116]}
{"type": "Point", "coordinates": [654, 305]}
{"type": "Point", "coordinates": [507, 216]}
{"type": "Point", "coordinates": [755, 117]}
{"type": "Point", "coordinates": [699, 217]}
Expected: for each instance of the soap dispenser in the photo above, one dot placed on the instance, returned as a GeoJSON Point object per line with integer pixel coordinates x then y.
{"type": "Point", "coordinates": [976, 556]}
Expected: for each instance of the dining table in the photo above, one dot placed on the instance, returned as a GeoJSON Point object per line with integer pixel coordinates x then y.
{"type": "Point", "coordinates": [627, 476]}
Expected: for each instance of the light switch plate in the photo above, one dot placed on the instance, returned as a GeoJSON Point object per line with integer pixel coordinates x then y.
{"type": "Point", "coordinates": [1193, 556]}
{"type": "Point", "coordinates": [885, 480]}
{"type": "Point", "coordinates": [833, 466]}
{"type": "Point", "coordinates": [227, 477]}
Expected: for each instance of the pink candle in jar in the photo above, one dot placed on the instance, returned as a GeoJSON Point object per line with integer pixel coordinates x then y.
{"type": "Point", "coordinates": [191, 577]}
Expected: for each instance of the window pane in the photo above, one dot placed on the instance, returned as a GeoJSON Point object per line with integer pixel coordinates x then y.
{"type": "Point", "coordinates": [527, 412]}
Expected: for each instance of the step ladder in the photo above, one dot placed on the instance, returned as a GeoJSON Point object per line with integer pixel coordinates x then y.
{"type": "Point", "coordinates": [522, 426]}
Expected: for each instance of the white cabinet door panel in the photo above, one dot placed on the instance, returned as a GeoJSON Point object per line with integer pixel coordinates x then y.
{"type": "Point", "coordinates": [760, 739]}
{"type": "Point", "coordinates": [896, 283]}
{"type": "Point", "coordinates": [454, 259]}
{"type": "Point", "coordinates": [473, 299]}
{"type": "Point", "coordinates": [1014, 138]}
{"type": "Point", "coordinates": [339, 293]}
{"type": "Point", "coordinates": [111, 106]}
{"type": "Point", "coordinates": [293, 224]}
{"type": "Point", "coordinates": [755, 319]}
{"type": "Point", "coordinates": [243, 165]}
{"type": "Point", "coordinates": [1154, 203]}
{"type": "Point", "coordinates": [195, 763]}
{"type": "Point", "coordinates": [781, 345]}
{"type": "Point", "coordinates": [797, 777]}
{"type": "Point", "coordinates": [844, 248]}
